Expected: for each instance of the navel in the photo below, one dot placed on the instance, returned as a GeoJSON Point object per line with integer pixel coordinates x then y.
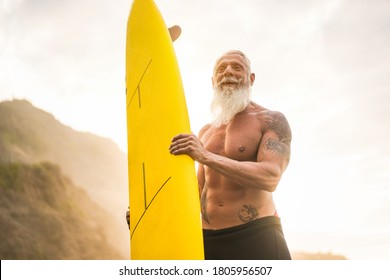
{"type": "Point", "coordinates": [241, 149]}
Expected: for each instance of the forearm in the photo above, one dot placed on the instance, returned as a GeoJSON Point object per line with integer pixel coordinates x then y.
{"type": "Point", "coordinates": [260, 175]}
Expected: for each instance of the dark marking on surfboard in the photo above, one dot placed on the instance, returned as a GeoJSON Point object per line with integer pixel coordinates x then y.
{"type": "Point", "coordinates": [144, 180]}
{"type": "Point", "coordinates": [139, 97]}
{"type": "Point", "coordinates": [150, 203]}
{"type": "Point", "coordinates": [138, 88]}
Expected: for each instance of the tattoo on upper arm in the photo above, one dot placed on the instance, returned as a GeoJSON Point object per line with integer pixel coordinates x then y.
{"type": "Point", "coordinates": [277, 122]}
{"type": "Point", "coordinates": [248, 213]}
{"type": "Point", "coordinates": [278, 147]}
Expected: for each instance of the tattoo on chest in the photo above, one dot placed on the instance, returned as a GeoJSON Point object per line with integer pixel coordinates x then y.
{"type": "Point", "coordinates": [248, 213]}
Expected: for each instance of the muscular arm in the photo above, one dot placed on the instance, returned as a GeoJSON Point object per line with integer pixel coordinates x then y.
{"type": "Point", "coordinates": [263, 174]}
{"type": "Point", "coordinates": [272, 157]}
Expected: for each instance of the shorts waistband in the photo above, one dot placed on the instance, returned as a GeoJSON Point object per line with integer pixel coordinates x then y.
{"type": "Point", "coordinates": [263, 222]}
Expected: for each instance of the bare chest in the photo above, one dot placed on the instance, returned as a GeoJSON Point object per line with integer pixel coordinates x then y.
{"type": "Point", "coordinates": [239, 141]}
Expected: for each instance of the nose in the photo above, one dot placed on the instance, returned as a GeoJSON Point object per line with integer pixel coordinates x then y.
{"type": "Point", "coordinates": [228, 71]}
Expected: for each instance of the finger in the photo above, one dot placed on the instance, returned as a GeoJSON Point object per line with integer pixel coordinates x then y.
{"type": "Point", "coordinates": [181, 147]}
{"type": "Point", "coordinates": [174, 32]}
{"type": "Point", "coordinates": [180, 141]}
{"type": "Point", "coordinates": [177, 148]}
{"type": "Point", "coordinates": [180, 136]}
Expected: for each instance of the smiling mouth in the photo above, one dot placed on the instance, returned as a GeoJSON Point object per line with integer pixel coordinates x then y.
{"type": "Point", "coordinates": [229, 82]}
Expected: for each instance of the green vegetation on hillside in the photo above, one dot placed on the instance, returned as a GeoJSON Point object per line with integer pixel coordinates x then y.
{"type": "Point", "coordinates": [43, 215]}
{"type": "Point", "coordinates": [35, 195]}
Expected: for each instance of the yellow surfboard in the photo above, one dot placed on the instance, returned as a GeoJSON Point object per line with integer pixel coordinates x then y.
{"type": "Point", "coordinates": [165, 220]}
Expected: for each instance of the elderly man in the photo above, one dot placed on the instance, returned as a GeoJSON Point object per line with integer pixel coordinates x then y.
{"type": "Point", "coordinates": [242, 155]}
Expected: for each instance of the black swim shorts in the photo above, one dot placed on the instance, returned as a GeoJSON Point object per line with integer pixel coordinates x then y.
{"type": "Point", "coordinates": [261, 239]}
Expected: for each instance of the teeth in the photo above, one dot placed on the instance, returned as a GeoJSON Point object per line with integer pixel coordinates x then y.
{"type": "Point", "coordinates": [229, 81]}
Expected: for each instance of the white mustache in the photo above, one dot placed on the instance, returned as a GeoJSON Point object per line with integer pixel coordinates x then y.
{"type": "Point", "coordinates": [229, 80]}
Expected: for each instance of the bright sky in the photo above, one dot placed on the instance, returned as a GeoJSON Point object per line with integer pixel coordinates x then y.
{"type": "Point", "coordinates": [324, 64]}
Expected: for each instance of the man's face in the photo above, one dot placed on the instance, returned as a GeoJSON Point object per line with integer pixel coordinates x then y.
{"type": "Point", "coordinates": [231, 72]}
{"type": "Point", "coordinates": [232, 83]}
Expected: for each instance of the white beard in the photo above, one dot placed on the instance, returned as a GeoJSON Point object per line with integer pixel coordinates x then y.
{"type": "Point", "coordinates": [227, 103]}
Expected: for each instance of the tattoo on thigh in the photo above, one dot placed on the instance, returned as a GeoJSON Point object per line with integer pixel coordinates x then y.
{"type": "Point", "coordinates": [248, 213]}
{"type": "Point", "coordinates": [278, 147]}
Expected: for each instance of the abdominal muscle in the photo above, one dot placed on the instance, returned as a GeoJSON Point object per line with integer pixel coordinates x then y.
{"type": "Point", "coordinates": [226, 205]}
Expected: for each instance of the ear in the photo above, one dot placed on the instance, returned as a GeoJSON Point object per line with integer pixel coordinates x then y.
{"type": "Point", "coordinates": [252, 78]}
{"type": "Point", "coordinates": [212, 81]}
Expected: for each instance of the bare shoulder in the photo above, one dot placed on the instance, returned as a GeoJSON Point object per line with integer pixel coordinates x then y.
{"type": "Point", "coordinates": [203, 130]}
